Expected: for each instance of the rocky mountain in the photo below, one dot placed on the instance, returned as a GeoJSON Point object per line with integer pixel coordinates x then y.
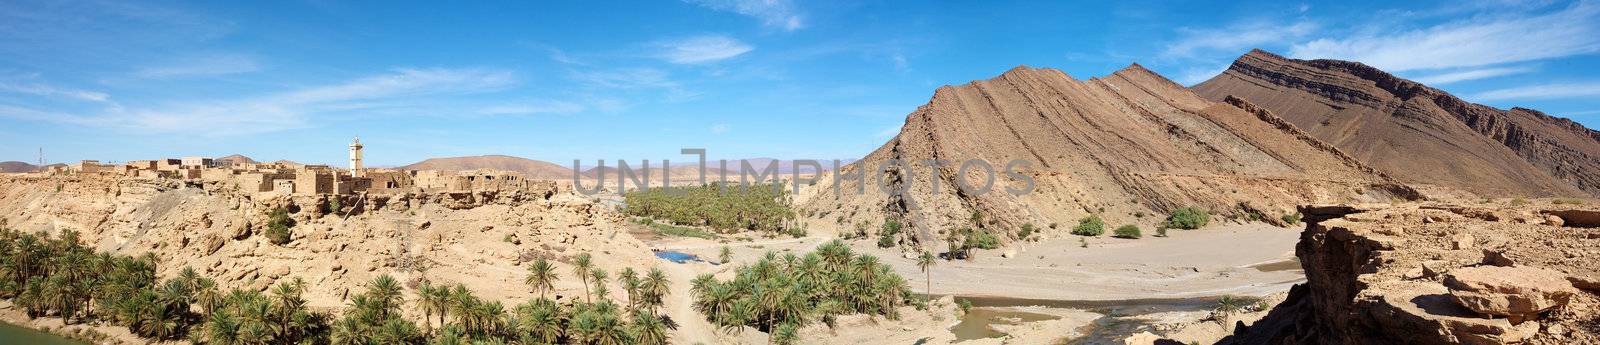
{"type": "Point", "coordinates": [234, 159]}
{"type": "Point", "coordinates": [16, 167]}
{"type": "Point", "coordinates": [1416, 133]}
{"type": "Point", "coordinates": [1129, 147]}
{"type": "Point", "coordinates": [533, 169]}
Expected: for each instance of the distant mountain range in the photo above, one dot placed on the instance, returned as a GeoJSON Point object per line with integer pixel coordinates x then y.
{"type": "Point", "coordinates": [17, 167]}
{"type": "Point", "coordinates": [534, 169]}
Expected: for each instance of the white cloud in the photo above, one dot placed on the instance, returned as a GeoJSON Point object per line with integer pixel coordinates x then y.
{"type": "Point", "coordinates": [702, 49]}
{"type": "Point", "coordinates": [772, 13]}
{"type": "Point", "coordinates": [532, 107]}
{"type": "Point", "coordinates": [283, 110]}
{"type": "Point", "coordinates": [626, 78]}
{"type": "Point", "coordinates": [719, 128]}
{"type": "Point", "coordinates": [1547, 91]}
{"type": "Point", "coordinates": [1471, 74]}
{"type": "Point", "coordinates": [1235, 38]}
{"type": "Point", "coordinates": [38, 89]}
{"type": "Point", "coordinates": [1196, 75]}
{"type": "Point", "coordinates": [202, 66]}
{"type": "Point", "coordinates": [1470, 42]}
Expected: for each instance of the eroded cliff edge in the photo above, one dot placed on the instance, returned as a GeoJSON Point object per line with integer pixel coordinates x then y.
{"type": "Point", "coordinates": [1441, 274]}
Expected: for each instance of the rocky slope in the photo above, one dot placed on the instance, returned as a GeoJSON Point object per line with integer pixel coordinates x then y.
{"type": "Point", "coordinates": [1441, 274]}
{"type": "Point", "coordinates": [1417, 133]}
{"type": "Point", "coordinates": [1131, 147]}
{"type": "Point", "coordinates": [479, 239]}
{"type": "Point", "coordinates": [533, 169]}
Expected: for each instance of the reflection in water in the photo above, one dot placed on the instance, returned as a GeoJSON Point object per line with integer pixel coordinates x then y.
{"type": "Point", "coordinates": [976, 323]}
{"type": "Point", "coordinates": [13, 334]}
{"type": "Point", "coordinates": [1120, 320]}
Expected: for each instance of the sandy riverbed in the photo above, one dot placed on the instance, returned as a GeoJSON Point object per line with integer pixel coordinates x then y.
{"type": "Point", "coordinates": [1241, 260]}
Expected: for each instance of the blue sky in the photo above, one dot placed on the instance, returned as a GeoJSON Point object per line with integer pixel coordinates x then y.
{"type": "Point", "coordinates": [560, 80]}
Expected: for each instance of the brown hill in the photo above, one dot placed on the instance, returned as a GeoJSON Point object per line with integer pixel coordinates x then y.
{"type": "Point", "coordinates": [16, 167]}
{"type": "Point", "coordinates": [234, 159]}
{"type": "Point", "coordinates": [533, 169]}
{"type": "Point", "coordinates": [1417, 133]}
{"type": "Point", "coordinates": [1130, 147]}
{"type": "Point", "coordinates": [679, 173]}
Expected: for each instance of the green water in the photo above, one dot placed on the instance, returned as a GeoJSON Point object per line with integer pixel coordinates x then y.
{"type": "Point", "coordinates": [975, 323]}
{"type": "Point", "coordinates": [13, 334]}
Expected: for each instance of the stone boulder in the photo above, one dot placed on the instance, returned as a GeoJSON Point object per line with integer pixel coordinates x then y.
{"type": "Point", "coordinates": [1516, 293]}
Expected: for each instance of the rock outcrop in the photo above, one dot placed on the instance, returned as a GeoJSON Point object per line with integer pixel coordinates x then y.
{"type": "Point", "coordinates": [337, 244]}
{"type": "Point", "coordinates": [1401, 274]}
{"type": "Point", "coordinates": [1129, 147]}
{"type": "Point", "coordinates": [1418, 134]}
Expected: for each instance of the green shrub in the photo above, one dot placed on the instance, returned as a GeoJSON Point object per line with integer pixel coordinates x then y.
{"type": "Point", "coordinates": [1127, 231]}
{"type": "Point", "coordinates": [1187, 218]}
{"type": "Point", "coordinates": [1161, 231]}
{"type": "Point", "coordinates": [982, 239]}
{"type": "Point", "coordinates": [681, 231]}
{"type": "Point", "coordinates": [1090, 226]}
{"type": "Point", "coordinates": [964, 304]}
{"type": "Point", "coordinates": [1292, 218]}
{"type": "Point", "coordinates": [278, 224]}
{"type": "Point", "coordinates": [797, 232]}
{"type": "Point", "coordinates": [1027, 230]}
{"type": "Point", "coordinates": [1519, 202]}
{"type": "Point", "coordinates": [1567, 202]}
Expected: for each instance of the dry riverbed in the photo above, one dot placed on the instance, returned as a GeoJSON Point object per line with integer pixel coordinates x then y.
{"type": "Point", "coordinates": [1057, 289]}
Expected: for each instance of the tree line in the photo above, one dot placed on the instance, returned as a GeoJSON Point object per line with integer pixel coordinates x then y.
{"type": "Point", "coordinates": [59, 277]}
{"type": "Point", "coordinates": [726, 208]}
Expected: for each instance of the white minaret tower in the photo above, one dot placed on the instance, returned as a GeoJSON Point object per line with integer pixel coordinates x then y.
{"type": "Point", "coordinates": [355, 158]}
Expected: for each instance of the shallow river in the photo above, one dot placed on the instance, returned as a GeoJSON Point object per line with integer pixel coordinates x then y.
{"type": "Point", "coordinates": [13, 334]}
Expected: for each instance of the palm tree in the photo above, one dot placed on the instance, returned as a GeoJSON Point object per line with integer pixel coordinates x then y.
{"type": "Point", "coordinates": [924, 262]}
{"type": "Point", "coordinates": [541, 276]}
{"type": "Point", "coordinates": [580, 267]}
{"type": "Point", "coordinates": [385, 292]}
{"type": "Point", "coordinates": [222, 329]}
{"type": "Point", "coordinates": [599, 275]}
{"type": "Point", "coordinates": [540, 320]}
{"type": "Point", "coordinates": [648, 329]}
{"type": "Point", "coordinates": [429, 303]}
{"type": "Point", "coordinates": [630, 284]}
{"type": "Point", "coordinates": [655, 288]}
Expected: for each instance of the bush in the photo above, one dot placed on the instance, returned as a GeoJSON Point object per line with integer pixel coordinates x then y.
{"type": "Point", "coordinates": [1161, 231]}
{"type": "Point", "coordinates": [1090, 226]}
{"type": "Point", "coordinates": [278, 224]}
{"type": "Point", "coordinates": [1567, 202]}
{"type": "Point", "coordinates": [1128, 231]}
{"type": "Point", "coordinates": [981, 239]}
{"type": "Point", "coordinates": [1027, 230]}
{"type": "Point", "coordinates": [964, 305]}
{"type": "Point", "coordinates": [886, 242]}
{"type": "Point", "coordinates": [1292, 218]}
{"type": "Point", "coordinates": [1187, 218]}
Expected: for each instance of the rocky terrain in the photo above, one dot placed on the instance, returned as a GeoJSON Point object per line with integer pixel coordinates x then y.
{"type": "Point", "coordinates": [1416, 133]}
{"type": "Point", "coordinates": [1442, 274]}
{"type": "Point", "coordinates": [1130, 147]}
{"type": "Point", "coordinates": [532, 169]}
{"type": "Point", "coordinates": [478, 239]}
